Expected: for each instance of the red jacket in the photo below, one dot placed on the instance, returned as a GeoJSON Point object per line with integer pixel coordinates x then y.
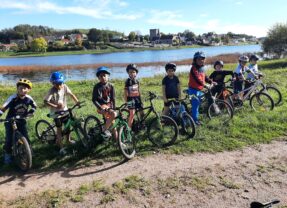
{"type": "Point", "coordinates": [197, 78]}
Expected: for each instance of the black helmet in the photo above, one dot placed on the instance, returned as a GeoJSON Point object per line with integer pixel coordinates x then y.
{"type": "Point", "coordinates": [133, 67]}
{"type": "Point", "coordinates": [199, 54]}
{"type": "Point", "coordinates": [218, 62]}
{"type": "Point", "coordinates": [170, 66]}
{"type": "Point", "coordinates": [254, 57]}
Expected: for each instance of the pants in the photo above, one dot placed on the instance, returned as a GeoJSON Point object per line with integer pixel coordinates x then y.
{"type": "Point", "coordinates": [195, 102]}
{"type": "Point", "coordinates": [22, 127]}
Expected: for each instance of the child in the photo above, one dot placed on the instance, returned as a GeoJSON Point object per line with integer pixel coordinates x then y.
{"type": "Point", "coordinates": [252, 72]}
{"type": "Point", "coordinates": [197, 79]}
{"type": "Point", "coordinates": [218, 76]}
{"type": "Point", "coordinates": [104, 99]}
{"type": "Point", "coordinates": [132, 92]}
{"type": "Point", "coordinates": [56, 99]}
{"type": "Point", "coordinates": [239, 74]}
{"type": "Point", "coordinates": [18, 104]}
{"type": "Point", "coordinates": [170, 86]}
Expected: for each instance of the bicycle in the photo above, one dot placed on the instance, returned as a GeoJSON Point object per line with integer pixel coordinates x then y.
{"type": "Point", "coordinates": [274, 93]}
{"type": "Point", "coordinates": [256, 204]}
{"type": "Point", "coordinates": [211, 105]}
{"type": "Point", "coordinates": [94, 129]}
{"type": "Point", "coordinates": [177, 111]}
{"type": "Point", "coordinates": [45, 131]}
{"type": "Point", "coordinates": [258, 100]}
{"type": "Point", "coordinates": [21, 150]}
{"type": "Point", "coordinates": [162, 130]}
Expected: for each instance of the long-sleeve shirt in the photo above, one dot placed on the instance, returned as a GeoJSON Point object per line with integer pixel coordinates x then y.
{"type": "Point", "coordinates": [104, 94]}
{"type": "Point", "coordinates": [197, 78]}
{"type": "Point", "coordinates": [218, 76]}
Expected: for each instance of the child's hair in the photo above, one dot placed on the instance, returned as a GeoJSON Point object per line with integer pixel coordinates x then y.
{"type": "Point", "coordinates": [25, 82]}
{"type": "Point", "coordinates": [218, 62]}
{"type": "Point", "coordinates": [170, 66]}
{"type": "Point", "coordinates": [133, 67]}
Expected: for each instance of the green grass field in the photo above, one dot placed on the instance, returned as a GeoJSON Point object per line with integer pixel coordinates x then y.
{"type": "Point", "coordinates": [246, 128]}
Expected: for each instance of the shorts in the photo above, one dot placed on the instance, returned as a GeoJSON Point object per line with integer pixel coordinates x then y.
{"type": "Point", "coordinates": [59, 121]}
{"type": "Point", "coordinates": [137, 103]}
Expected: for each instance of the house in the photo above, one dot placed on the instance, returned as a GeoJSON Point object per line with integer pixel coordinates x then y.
{"type": "Point", "coordinates": [74, 37]}
{"type": "Point", "coordinates": [50, 39]}
{"type": "Point", "coordinates": [169, 39]}
{"type": "Point", "coordinates": [65, 41]}
{"type": "Point", "coordinates": [7, 47]}
{"type": "Point", "coordinates": [154, 34]}
{"type": "Point", "coordinates": [19, 42]}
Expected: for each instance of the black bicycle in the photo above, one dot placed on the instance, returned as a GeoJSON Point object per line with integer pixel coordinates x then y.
{"type": "Point", "coordinates": [161, 130]}
{"type": "Point", "coordinates": [21, 151]}
{"type": "Point", "coordinates": [256, 204]}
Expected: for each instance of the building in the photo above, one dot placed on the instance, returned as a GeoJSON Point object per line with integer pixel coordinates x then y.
{"type": "Point", "coordinates": [154, 34]}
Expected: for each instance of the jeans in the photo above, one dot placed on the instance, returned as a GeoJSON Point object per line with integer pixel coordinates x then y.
{"type": "Point", "coordinates": [195, 102]}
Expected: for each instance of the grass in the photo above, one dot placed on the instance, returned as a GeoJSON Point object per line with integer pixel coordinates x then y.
{"type": "Point", "coordinates": [246, 128]}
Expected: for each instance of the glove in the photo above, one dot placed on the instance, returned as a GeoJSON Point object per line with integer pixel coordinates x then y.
{"type": "Point", "coordinates": [30, 112]}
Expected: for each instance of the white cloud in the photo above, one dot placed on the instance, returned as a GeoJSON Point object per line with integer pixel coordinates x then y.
{"type": "Point", "coordinates": [99, 9]}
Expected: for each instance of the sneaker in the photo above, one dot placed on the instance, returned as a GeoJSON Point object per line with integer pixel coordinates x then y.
{"type": "Point", "coordinates": [7, 159]}
{"type": "Point", "coordinates": [106, 135]}
{"type": "Point", "coordinates": [198, 123]}
{"type": "Point", "coordinates": [63, 151]}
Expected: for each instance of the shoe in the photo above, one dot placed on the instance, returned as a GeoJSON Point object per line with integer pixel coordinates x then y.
{"type": "Point", "coordinates": [7, 159]}
{"type": "Point", "coordinates": [106, 135]}
{"type": "Point", "coordinates": [72, 141]}
{"type": "Point", "coordinates": [63, 151]}
{"type": "Point", "coordinates": [198, 123]}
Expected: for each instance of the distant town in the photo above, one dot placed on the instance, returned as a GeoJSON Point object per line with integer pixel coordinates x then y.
{"type": "Point", "coordinates": [41, 39]}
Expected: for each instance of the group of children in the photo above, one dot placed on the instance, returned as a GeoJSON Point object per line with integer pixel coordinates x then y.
{"type": "Point", "coordinates": [103, 95]}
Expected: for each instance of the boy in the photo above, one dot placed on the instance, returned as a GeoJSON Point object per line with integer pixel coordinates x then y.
{"type": "Point", "coordinates": [170, 86]}
{"type": "Point", "coordinates": [253, 71]}
{"type": "Point", "coordinates": [218, 76]}
{"type": "Point", "coordinates": [56, 99]}
{"type": "Point", "coordinates": [239, 74]}
{"type": "Point", "coordinates": [104, 99]}
{"type": "Point", "coordinates": [18, 105]}
{"type": "Point", "coordinates": [197, 79]}
{"type": "Point", "coordinates": [132, 92]}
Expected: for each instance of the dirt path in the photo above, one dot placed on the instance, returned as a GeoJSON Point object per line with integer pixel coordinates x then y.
{"type": "Point", "coordinates": [234, 178]}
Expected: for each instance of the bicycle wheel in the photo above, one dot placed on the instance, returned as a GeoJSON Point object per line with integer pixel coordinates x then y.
{"type": "Point", "coordinates": [93, 130]}
{"type": "Point", "coordinates": [45, 132]}
{"type": "Point", "coordinates": [162, 131]}
{"type": "Point", "coordinates": [220, 109]}
{"type": "Point", "coordinates": [261, 102]}
{"type": "Point", "coordinates": [275, 94]}
{"type": "Point", "coordinates": [126, 142]}
{"type": "Point", "coordinates": [81, 135]}
{"type": "Point", "coordinates": [22, 152]}
{"type": "Point", "coordinates": [188, 125]}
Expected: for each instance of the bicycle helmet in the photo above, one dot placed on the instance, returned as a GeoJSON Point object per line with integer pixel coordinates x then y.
{"type": "Point", "coordinates": [133, 67]}
{"type": "Point", "coordinates": [103, 69]}
{"type": "Point", "coordinates": [170, 66]}
{"type": "Point", "coordinates": [254, 57]}
{"type": "Point", "coordinates": [26, 82]}
{"type": "Point", "coordinates": [243, 58]}
{"type": "Point", "coordinates": [219, 62]}
{"type": "Point", "coordinates": [199, 54]}
{"type": "Point", "coordinates": [57, 78]}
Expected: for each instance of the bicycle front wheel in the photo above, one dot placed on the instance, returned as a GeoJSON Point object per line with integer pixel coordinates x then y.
{"type": "Point", "coordinates": [188, 125]}
{"type": "Point", "coordinates": [82, 136]}
{"type": "Point", "coordinates": [162, 131]}
{"type": "Point", "coordinates": [220, 109]}
{"type": "Point", "coordinates": [261, 102]}
{"type": "Point", "coordinates": [45, 132]}
{"type": "Point", "coordinates": [126, 142]}
{"type": "Point", "coordinates": [275, 94]}
{"type": "Point", "coordinates": [93, 130]}
{"type": "Point", "coordinates": [22, 152]}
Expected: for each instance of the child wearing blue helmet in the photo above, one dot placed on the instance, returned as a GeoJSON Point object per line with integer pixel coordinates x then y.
{"type": "Point", "coordinates": [56, 99]}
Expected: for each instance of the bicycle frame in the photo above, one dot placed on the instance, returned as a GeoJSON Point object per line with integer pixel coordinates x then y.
{"type": "Point", "coordinates": [250, 90]}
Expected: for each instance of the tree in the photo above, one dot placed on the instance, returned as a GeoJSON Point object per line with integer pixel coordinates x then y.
{"type": "Point", "coordinates": [78, 42]}
{"type": "Point", "coordinates": [132, 36]}
{"type": "Point", "coordinates": [39, 45]}
{"type": "Point", "coordinates": [95, 35]}
{"type": "Point", "coordinates": [189, 35]}
{"type": "Point", "coordinates": [276, 40]}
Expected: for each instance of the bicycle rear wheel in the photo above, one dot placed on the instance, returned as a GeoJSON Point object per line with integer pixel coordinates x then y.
{"type": "Point", "coordinates": [188, 125]}
{"type": "Point", "coordinates": [275, 94]}
{"type": "Point", "coordinates": [220, 109]}
{"type": "Point", "coordinates": [45, 132]}
{"type": "Point", "coordinates": [22, 152]}
{"type": "Point", "coordinates": [82, 136]}
{"type": "Point", "coordinates": [261, 102]}
{"type": "Point", "coordinates": [126, 142]}
{"type": "Point", "coordinates": [162, 131]}
{"type": "Point", "coordinates": [93, 130]}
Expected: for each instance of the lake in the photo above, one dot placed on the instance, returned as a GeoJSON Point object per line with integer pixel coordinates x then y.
{"type": "Point", "coordinates": [119, 57]}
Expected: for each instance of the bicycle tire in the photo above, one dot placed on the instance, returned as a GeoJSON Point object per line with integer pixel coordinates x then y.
{"type": "Point", "coordinates": [126, 142]}
{"type": "Point", "coordinates": [256, 102]}
{"type": "Point", "coordinates": [22, 154]}
{"type": "Point", "coordinates": [188, 125]}
{"type": "Point", "coordinates": [93, 130]}
{"type": "Point", "coordinates": [275, 94]}
{"type": "Point", "coordinates": [82, 136]}
{"type": "Point", "coordinates": [45, 132]}
{"type": "Point", "coordinates": [220, 109]}
{"type": "Point", "coordinates": [162, 131]}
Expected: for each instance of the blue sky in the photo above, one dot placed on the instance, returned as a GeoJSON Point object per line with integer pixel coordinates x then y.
{"type": "Point", "coordinates": [253, 17]}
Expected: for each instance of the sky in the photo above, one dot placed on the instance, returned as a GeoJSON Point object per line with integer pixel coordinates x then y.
{"type": "Point", "coordinates": [252, 17]}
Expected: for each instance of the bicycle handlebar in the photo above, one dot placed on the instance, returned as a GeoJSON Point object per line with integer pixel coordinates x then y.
{"type": "Point", "coordinates": [62, 112]}
{"type": "Point", "coordinates": [18, 117]}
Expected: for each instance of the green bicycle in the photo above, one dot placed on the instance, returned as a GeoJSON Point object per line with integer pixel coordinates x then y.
{"type": "Point", "coordinates": [46, 132]}
{"type": "Point", "coordinates": [94, 129]}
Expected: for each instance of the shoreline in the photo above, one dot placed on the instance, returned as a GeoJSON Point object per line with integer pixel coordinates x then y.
{"type": "Point", "coordinates": [226, 58]}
